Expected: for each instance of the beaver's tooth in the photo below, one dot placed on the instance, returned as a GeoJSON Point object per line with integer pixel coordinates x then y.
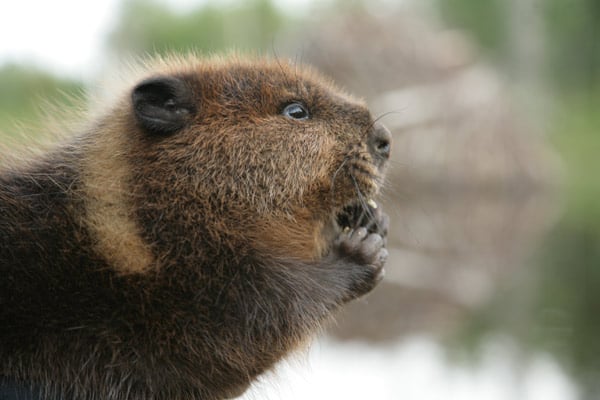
{"type": "Point", "coordinates": [372, 203]}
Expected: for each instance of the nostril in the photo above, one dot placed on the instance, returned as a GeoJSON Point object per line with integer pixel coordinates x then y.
{"type": "Point", "coordinates": [381, 141]}
{"type": "Point", "coordinates": [383, 147]}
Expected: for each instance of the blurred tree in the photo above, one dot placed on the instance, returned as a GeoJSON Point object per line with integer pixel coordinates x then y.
{"type": "Point", "coordinates": [22, 88]}
{"type": "Point", "coordinates": [564, 318]}
{"type": "Point", "coordinates": [573, 29]}
{"type": "Point", "coordinates": [147, 27]}
{"type": "Point", "coordinates": [486, 20]}
{"type": "Point", "coordinates": [555, 309]}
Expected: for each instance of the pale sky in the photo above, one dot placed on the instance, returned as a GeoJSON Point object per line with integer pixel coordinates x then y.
{"type": "Point", "coordinates": [66, 36]}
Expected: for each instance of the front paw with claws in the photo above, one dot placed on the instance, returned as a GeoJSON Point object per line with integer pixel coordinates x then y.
{"type": "Point", "coordinates": [363, 249]}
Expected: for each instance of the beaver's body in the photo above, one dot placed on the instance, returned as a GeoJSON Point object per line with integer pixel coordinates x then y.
{"type": "Point", "coordinates": [187, 240]}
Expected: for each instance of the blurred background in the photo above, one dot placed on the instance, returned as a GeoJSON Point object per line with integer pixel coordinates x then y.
{"type": "Point", "coordinates": [493, 284]}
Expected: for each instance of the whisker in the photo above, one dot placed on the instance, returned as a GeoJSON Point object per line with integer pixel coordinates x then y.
{"type": "Point", "coordinates": [366, 209]}
{"type": "Point", "coordinates": [385, 114]}
{"type": "Point", "coordinates": [335, 176]}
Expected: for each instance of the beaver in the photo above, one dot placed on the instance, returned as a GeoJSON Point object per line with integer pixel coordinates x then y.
{"type": "Point", "coordinates": [192, 234]}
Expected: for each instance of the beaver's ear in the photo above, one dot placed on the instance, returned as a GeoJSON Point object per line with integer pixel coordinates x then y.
{"type": "Point", "coordinates": [163, 105]}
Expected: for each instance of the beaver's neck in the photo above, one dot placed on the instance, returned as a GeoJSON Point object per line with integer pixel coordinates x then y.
{"type": "Point", "coordinates": [37, 216]}
{"type": "Point", "coordinates": [41, 240]}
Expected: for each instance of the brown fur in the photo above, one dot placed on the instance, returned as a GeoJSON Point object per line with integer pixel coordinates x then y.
{"type": "Point", "coordinates": [181, 262]}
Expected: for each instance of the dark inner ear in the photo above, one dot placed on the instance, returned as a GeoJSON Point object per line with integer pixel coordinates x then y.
{"type": "Point", "coordinates": [163, 105]}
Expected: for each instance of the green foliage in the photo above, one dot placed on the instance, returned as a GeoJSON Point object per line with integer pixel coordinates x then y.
{"type": "Point", "coordinates": [565, 311]}
{"type": "Point", "coordinates": [23, 88]}
{"type": "Point", "coordinates": [573, 43]}
{"type": "Point", "coordinates": [146, 27]}
{"type": "Point", "coordinates": [571, 28]}
{"type": "Point", "coordinates": [554, 305]}
{"type": "Point", "coordinates": [576, 136]}
{"type": "Point", "coordinates": [567, 302]}
{"type": "Point", "coordinates": [485, 20]}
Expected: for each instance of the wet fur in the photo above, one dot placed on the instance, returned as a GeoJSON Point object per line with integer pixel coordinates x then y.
{"type": "Point", "coordinates": [138, 265]}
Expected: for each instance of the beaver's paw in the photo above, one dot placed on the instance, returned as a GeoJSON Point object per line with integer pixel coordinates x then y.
{"type": "Point", "coordinates": [379, 222]}
{"type": "Point", "coordinates": [365, 254]}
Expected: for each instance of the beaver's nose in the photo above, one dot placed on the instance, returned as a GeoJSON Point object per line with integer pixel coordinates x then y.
{"type": "Point", "coordinates": [380, 141]}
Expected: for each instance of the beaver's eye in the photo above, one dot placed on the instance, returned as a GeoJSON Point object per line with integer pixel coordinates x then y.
{"type": "Point", "coordinates": [296, 111]}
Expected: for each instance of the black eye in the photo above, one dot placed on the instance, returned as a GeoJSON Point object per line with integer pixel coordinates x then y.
{"type": "Point", "coordinates": [296, 111]}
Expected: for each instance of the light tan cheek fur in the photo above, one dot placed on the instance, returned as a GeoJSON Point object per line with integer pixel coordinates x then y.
{"type": "Point", "coordinates": [299, 232]}
{"type": "Point", "coordinates": [299, 238]}
{"type": "Point", "coordinates": [108, 207]}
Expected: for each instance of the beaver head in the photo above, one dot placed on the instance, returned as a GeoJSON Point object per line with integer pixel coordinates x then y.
{"type": "Point", "coordinates": [246, 154]}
